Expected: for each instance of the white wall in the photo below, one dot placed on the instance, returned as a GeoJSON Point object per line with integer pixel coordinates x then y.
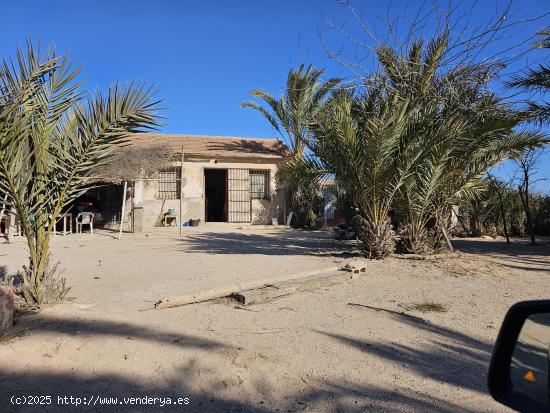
{"type": "Point", "coordinates": [146, 192]}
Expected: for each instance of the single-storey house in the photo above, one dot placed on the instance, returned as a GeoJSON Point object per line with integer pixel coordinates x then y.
{"type": "Point", "coordinates": [206, 178]}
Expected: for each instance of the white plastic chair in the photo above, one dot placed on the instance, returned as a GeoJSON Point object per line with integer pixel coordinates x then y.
{"type": "Point", "coordinates": [85, 218]}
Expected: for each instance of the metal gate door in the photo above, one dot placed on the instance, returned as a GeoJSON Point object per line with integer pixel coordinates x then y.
{"type": "Point", "coordinates": [238, 195]}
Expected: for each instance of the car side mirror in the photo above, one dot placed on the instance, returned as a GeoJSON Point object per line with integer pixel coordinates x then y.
{"type": "Point", "coordinates": [519, 370]}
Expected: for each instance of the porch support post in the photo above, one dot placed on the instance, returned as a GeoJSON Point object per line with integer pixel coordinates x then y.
{"type": "Point", "coordinates": [2, 213]}
{"type": "Point", "coordinates": [122, 209]}
{"type": "Point", "coordinates": [181, 193]}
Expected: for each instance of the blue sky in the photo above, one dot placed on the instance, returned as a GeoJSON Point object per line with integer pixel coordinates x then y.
{"type": "Point", "coordinates": [204, 57]}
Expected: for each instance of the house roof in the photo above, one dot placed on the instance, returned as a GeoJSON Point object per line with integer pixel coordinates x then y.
{"type": "Point", "coordinates": [211, 146]}
{"type": "Point", "coordinates": [143, 154]}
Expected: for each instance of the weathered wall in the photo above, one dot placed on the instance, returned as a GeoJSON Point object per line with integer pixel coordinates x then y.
{"type": "Point", "coordinates": [146, 192]}
{"type": "Point", "coordinates": [153, 207]}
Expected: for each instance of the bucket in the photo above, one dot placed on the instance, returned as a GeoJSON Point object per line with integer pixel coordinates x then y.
{"type": "Point", "coordinates": [195, 222]}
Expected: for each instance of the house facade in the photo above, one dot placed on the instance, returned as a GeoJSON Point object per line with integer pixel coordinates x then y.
{"type": "Point", "coordinates": [206, 178]}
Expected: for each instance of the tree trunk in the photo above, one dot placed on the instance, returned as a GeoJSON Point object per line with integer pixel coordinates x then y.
{"type": "Point", "coordinates": [466, 230]}
{"type": "Point", "coordinates": [377, 238]}
{"type": "Point", "coordinates": [475, 227]}
{"type": "Point", "coordinates": [524, 195]}
{"type": "Point", "coordinates": [503, 215]}
{"type": "Point", "coordinates": [447, 240]}
{"type": "Point", "coordinates": [505, 226]}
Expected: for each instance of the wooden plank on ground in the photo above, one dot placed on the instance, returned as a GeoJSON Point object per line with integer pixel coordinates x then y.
{"type": "Point", "coordinates": [211, 294]}
{"type": "Point", "coordinates": [263, 295]}
{"type": "Point", "coordinates": [283, 285]}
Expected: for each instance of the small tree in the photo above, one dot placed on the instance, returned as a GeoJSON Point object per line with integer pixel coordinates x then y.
{"type": "Point", "coordinates": [527, 165]}
{"type": "Point", "coordinates": [499, 187]}
{"type": "Point", "coordinates": [51, 137]}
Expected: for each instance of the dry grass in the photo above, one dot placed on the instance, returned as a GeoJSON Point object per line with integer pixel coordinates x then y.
{"type": "Point", "coordinates": [430, 306]}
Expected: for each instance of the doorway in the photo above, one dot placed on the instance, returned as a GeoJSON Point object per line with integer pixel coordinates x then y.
{"type": "Point", "coordinates": [105, 201]}
{"type": "Point", "coordinates": [215, 200]}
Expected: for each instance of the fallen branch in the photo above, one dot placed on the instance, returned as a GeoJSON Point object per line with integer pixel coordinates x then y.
{"type": "Point", "coordinates": [385, 310]}
{"type": "Point", "coordinates": [239, 307]}
{"type": "Point", "coordinates": [266, 331]}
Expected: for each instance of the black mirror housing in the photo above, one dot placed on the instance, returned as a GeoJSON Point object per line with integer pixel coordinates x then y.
{"type": "Point", "coordinates": [499, 377]}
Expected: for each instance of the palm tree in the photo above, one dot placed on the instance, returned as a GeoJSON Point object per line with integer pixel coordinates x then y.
{"type": "Point", "coordinates": [359, 140]}
{"type": "Point", "coordinates": [291, 116]}
{"type": "Point", "coordinates": [362, 139]}
{"type": "Point", "coordinates": [51, 138]}
{"type": "Point", "coordinates": [292, 113]}
{"type": "Point", "coordinates": [414, 76]}
{"type": "Point", "coordinates": [460, 129]}
{"type": "Point", "coordinates": [460, 150]}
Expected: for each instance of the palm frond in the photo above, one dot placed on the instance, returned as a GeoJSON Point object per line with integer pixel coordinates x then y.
{"type": "Point", "coordinates": [301, 103]}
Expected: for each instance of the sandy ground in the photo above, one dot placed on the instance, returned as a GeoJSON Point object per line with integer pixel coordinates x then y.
{"type": "Point", "coordinates": [311, 352]}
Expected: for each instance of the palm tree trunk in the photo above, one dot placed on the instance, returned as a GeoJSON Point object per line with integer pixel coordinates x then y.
{"type": "Point", "coordinates": [377, 237]}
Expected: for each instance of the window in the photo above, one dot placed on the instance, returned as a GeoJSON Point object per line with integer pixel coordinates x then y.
{"type": "Point", "coordinates": [259, 184]}
{"type": "Point", "coordinates": [169, 184]}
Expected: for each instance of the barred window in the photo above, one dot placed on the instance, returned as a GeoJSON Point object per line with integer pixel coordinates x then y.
{"type": "Point", "coordinates": [169, 184]}
{"type": "Point", "coordinates": [259, 184]}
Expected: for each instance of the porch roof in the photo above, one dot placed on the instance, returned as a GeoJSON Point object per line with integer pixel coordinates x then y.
{"type": "Point", "coordinates": [144, 154]}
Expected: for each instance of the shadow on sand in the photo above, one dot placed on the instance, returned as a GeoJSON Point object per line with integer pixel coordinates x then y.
{"type": "Point", "coordinates": [462, 363]}
{"type": "Point", "coordinates": [42, 323]}
{"type": "Point", "coordinates": [450, 357]}
{"type": "Point", "coordinates": [280, 243]}
{"type": "Point", "coordinates": [518, 247]}
{"type": "Point", "coordinates": [98, 390]}
{"type": "Point", "coordinates": [518, 255]}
